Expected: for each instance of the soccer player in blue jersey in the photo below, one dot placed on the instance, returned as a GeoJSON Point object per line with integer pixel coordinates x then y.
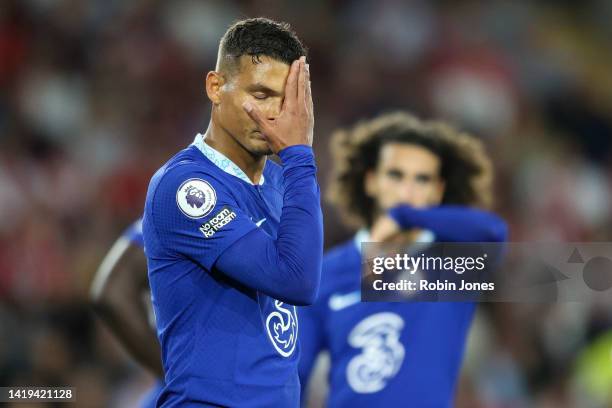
{"type": "Point", "coordinates": [121, 298]}
{"type": "Point", "coordinates": [400, 180]}
{"type": "Point", "coordinates": [233, 240]}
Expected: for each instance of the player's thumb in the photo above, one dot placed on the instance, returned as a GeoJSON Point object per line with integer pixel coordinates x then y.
{"type": "Point", "coordinates": [254, 114]}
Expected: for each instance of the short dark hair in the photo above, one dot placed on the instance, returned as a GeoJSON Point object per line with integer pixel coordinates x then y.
{"type": "Point", "coordinates": [258, 37]}
{"type": "Point", "coordinates": [465, 166]}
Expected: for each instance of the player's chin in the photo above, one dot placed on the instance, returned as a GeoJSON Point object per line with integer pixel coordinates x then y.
{"type": "Point", "coordinates": [258, 145]}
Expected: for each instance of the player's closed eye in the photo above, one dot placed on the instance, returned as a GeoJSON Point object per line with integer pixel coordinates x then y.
{"type": "Point", "coordinates": [260, 95]}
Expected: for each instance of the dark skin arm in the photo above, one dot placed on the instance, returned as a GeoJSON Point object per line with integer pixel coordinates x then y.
{"type": "Point", "coordinates": [117, 297]}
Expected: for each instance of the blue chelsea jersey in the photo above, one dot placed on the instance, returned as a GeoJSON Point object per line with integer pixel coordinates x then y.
{"type": "Point", "coordinates": [223, 343]}
{"type": "Point", "coordinates": [382, 354]}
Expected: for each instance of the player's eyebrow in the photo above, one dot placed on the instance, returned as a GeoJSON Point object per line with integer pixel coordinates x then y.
{"type": "Point", "coordinates": [259, 87]}
{"type": "Point", "coordinates": [424, 176]}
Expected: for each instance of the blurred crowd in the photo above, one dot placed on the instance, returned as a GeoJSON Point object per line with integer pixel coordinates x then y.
{"type": "Point", "coordinates": [96, 95]}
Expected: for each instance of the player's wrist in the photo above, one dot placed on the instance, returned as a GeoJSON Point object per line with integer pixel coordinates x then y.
{"type": "Point", "coordinates": [402, 215]}
{"type": "Point", "coordinates": [299, 167]}
{"type": "Point", "coordinates": [297, 152]}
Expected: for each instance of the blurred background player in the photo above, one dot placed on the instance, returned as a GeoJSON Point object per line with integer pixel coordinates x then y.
{"type": "Point", "coordinates": [121, 297]}
{"type": "Point", "coordinates": [234, 240]}
{"type": "Point", "coordinates": [406, 180]}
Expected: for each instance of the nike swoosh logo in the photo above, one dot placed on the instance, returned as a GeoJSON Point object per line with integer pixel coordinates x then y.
{"type": "Point", "coordinates": [339, 302]}
{"type": "Point", "coordinates": [258, 223]}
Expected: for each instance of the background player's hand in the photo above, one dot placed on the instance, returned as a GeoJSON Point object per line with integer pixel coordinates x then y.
{"type": "Point", "coordinates": [385, 229]}
{"type": "Point", "coordinates": [294, 125]}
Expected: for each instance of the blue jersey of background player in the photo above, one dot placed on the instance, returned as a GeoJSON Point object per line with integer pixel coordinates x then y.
{"type": "Point", "coordinates": [120, 296]}
{"type": "Point", "coordinates": [401, 180]}
{"type": "Point", "coordinates": [234, 240]}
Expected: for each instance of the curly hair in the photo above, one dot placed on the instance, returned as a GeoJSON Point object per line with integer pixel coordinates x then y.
{"type": "Point", "coordinates": [258, 37]}
{"type": "Point", "coordinates": [465, 166]}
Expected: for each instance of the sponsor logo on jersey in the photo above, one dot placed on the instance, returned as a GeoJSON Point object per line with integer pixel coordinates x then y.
{"type": "Point", "coordinates": [218, 221]}
{"type": "Point", "coordinates": [382, 353]}
{"type": "Point", "coordinates": [196, 198]}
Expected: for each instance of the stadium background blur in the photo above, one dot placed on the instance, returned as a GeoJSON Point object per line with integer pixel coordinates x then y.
{"type": "Point", "coordinates": [95, 95]}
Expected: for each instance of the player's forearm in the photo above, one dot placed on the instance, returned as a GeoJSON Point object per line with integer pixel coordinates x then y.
{"type": "Point", "coordinates": [288, 268]}
{"type": "Point", "coordinates": [453, 223]}
{"type": "Point", "coordinates": [299, 177]}
{"type": "Point", "coordinates": [287, 274]}
{"type": "Point", "coordinates": [300, 235]}
{"type": "Point", "coordinates": [128, 321]}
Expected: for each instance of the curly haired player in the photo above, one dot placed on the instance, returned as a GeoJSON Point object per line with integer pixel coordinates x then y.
{"type": "Point", "coordinates": [398, 179]}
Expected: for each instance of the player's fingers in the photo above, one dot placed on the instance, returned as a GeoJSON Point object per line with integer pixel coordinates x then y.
{"type": "Point", "coordinates": [384, 229]}
{"type": "Point", "coordinates": [291, 85]}
{"type": "Point", "coordinates": [308, 91]}
{"type": "Point", "coordinates": [301, 86]}
{"type": "Point", "coordinates": [257, 117]}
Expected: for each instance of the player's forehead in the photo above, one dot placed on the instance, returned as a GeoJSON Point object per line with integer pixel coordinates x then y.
{"type": "Point", "coordinates": [408, 157]}
{"type": "Point", "coordinates": [262, 70]}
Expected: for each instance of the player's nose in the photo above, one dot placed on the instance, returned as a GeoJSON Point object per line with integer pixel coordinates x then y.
{"type": "Point", "coordinates": [407, 192]}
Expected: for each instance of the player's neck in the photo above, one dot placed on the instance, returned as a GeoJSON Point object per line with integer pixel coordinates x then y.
{"type": "Point", "coordinates": [224, 143]}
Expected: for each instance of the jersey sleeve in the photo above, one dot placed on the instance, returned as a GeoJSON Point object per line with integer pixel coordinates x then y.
{"type": "Point", "coordinates": [287, 268]}
{"type": "Point", "coordinates": [134, 233]}
{"type": "Point", "coordinates": [195, 215]}
{"type": "Point", "coordinates": [453, 223]}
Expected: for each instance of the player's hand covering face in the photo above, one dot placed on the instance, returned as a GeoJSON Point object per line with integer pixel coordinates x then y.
{"type": "Point", "coordinates": [295, 122]}
{"type": "Point", "coordinates": [258, 81]}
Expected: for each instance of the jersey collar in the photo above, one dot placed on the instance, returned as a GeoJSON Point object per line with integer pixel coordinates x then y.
{"type": "Point", "coordinates": [221, 161]}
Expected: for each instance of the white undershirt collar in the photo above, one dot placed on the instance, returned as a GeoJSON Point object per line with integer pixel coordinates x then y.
{"type": "Point", "coordinates": [221, 161]}
{"type": "Point", "coordinates": [363, 235]}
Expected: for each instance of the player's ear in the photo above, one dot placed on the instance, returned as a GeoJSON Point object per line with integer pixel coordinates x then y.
{"type": "Point", "coordinates": [214, 81]}
{"type": "Point", "coordinates": [369, 184]}
{"type": "Point", "coordinates": [440, 189]}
